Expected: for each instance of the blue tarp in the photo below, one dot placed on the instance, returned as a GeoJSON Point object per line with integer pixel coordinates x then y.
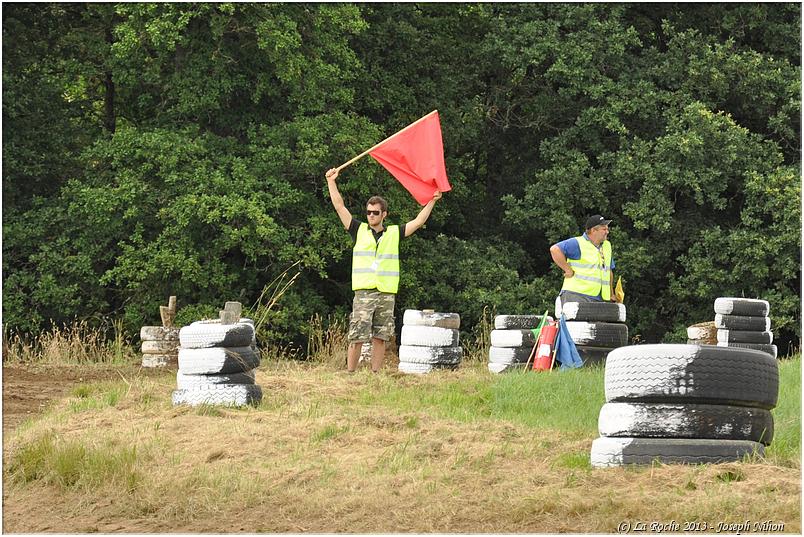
{"type": "Point", "coordinates": [566, 353]}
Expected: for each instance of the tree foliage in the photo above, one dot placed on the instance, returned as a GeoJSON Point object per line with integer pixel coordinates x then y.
{"type": "Point", "coordinates": [157, 149]}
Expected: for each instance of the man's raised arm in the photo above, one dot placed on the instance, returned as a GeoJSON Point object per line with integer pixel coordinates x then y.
{"type": "Point", "coordinates": [424, 214]}
{"type": "Point", "coordinates": [337, 199]}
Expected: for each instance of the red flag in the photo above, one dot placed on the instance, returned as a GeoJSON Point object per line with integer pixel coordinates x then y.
{"type": "Point", "coordinates": [415, 156]}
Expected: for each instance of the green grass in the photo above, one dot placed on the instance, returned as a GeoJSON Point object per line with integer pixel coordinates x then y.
{"type": "Point", "coordinates": [786, 443]}
{"type": "Point", "coordinates": [76, 463]}
{"type": "Point", "coordinates": [568, 400]}
{"type": "Point", "coordinates": [96, 395]}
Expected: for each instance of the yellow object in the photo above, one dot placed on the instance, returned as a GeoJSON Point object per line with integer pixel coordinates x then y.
{"type": "Point", "coordinates": [592, 271]}
{"type": "Point", "coordinates": [375, 265]}
{"type": "Point", "coordinates": [619, 294]}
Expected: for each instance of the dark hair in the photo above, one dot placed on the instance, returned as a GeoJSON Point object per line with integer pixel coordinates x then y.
{"type": "Point", "coordinates": [377, 200]}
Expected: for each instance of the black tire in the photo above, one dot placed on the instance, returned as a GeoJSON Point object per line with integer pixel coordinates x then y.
{"type": "Point", "coordinates": [512, 338]}
{"type": "Point", "coordinates": [429, 318]}
{"type": "Point", "coordinates": [744, 336]}
{"type": "Point", "coordinates": [518, 322]}
{"type": "Point", "coordinates": [217, 360]}
{"type": "Point", "coordinates": [742, 306]}
{"type": "Point", "coordinates": [595, 334]}
{"type": "Point", "coordinates": [610, 451]}
{"type": "Point", "coordinates": [184, 382]}
{"type": "Point", "coordinates": [770, 349]}
{"type": "Point", "coordinates": [594, 311]}
{"type": "Point", "coordinates": [430, 355]}
{"type": "Point", "coordinates": [207, 335]}
{"type": "Point", "coordinates": [592, 355]}
{"type": "Point", "coordinates": [656, 420]}
{"type": "Point", "coordinates": [742, 322]}
{"type": "Point", "coordinates": [708, 374]}
{"type": "Point", "coordinates": [509, 355]}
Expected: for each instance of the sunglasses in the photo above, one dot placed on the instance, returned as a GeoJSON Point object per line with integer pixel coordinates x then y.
{"type": "Point", "coordinates": [372, 213]}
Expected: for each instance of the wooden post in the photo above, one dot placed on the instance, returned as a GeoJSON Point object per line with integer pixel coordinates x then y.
{"type": "Point", "coordinates": [230, 314]}
{"type": "Point", "coordinates": [168, 313]}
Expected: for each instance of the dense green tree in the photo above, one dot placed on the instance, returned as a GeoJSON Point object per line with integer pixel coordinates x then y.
{"type": "Point", "coordinates": [156, 149]}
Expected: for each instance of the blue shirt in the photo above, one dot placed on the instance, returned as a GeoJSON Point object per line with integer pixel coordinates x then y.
{"type": "Point", "coordinates": [572, 250]}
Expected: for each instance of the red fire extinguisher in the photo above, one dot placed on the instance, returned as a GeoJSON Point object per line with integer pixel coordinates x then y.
{"type": "Point", "coordinates": [544, 350]}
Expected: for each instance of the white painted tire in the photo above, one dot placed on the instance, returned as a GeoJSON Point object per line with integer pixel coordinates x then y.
{"type": "Point", "coordinates": [744, 336]}
{"type": "Point", "coordinates": [429, 336]}
{"type": "Point", "coordinates": [509, 355]}
{"type": "Point", "coordinates": [184, 381]}
{"type": "Point", "coordinates": [421, 369]}
{"type": "Point", "coordinates": [158, 333]}
{"type": "Point", "coordinates": [657, 420]}
{"type": "Point", "coordinates": [159, 360]}
{"type": "Point", "coordinates": [742, 322]}
{"type": "Point", "coordinates": [742, 306]}
{"type": "Point", "coordinates": [612, 451]}
{"type": "Point", "coordinates": [217, 360]}
{"type": "Point", "coordinates": [160, 347]}
{"type": "Point", "coordinates": [610, 312]}
{"type": "Point", "coordinates": [206, 335]}
{"type": "Point", "coordinates": [668, 373]}
{"type": "Point", "coordinates": [218, 321]}
{"type": "Point", "coordinates": [219, 394]}
{"type": "Point", "coordinates": [505, 368]}
{"type": "Point", "coordinates": [441, 320]}
{"type": "Point", "coordinates": [512, 338]}
{"type": "Point", "coordinates": [430, 355]}
{"type": "Point", "coordinates": [597, 334]}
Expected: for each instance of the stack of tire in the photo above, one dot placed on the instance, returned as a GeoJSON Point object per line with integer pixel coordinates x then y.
{"type": "Point", "coordinates": [512, 341]}
{"type": "Point", "coordinates": [216, 364]}
{"type": "Point", "coordinates": [160, 346]}
{"type": "Point", "coordinates": [596, 327]}
{"type": "Point", "coordinates": [685, 404]}
{"type": "Point", "coordinates": [429, 341]}
{"type": "Point", "coordinates": [744, 323]}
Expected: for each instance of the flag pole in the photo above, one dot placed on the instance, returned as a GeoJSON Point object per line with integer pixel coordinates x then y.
{"type": "Point", "coordinates": [364, 153]}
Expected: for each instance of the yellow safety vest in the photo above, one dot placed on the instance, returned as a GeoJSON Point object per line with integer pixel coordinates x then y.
{"type": "Point", "coordinates": [375, 264]}
{"type": "Point", "coordinates": [592, 270]}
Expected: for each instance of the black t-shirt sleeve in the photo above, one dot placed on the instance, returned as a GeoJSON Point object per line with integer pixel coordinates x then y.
{"type": "Point", "coordinates": [402, 231]}
{"type": "Point", "coordinates": [354, 225]}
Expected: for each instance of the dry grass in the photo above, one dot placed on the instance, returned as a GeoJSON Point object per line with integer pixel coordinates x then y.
{"type": "Point", "coordinates": [322, 453]}
{"type": "Point", "coordinates": [77, 343]}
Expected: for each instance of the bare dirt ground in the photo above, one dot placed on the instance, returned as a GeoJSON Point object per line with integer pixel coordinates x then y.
{"type": "Point", "coordinates": [29, 388]}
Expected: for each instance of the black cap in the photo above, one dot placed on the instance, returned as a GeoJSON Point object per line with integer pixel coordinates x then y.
{"type": "Point", "coordinates": [596, 220]}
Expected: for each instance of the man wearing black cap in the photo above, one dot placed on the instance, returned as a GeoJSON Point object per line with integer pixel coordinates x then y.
{"type": "Point", "coordinates": [587, 264]}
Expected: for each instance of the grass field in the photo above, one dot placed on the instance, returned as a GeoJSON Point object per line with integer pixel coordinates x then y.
{"type": "Point", "coordinates": [456, 452]}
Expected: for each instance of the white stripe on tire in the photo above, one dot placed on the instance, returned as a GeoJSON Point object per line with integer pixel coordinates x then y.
{"type": "Point", "coordinates": [219, 394]}
{"type": "Point", "coordinates": [429, 336]}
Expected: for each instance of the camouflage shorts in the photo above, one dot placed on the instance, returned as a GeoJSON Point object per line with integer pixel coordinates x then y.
{"type": "Point", "coordinates": [372, 316]}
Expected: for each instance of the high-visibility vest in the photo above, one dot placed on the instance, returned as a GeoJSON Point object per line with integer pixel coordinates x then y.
{"type": "Point", "coordinates": [592, 270]}
{"type": "Point", "coordinates": [375, 264]}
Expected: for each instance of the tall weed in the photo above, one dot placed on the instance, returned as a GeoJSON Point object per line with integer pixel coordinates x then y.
{"type": "Point", "coordinates": [78, 343]}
